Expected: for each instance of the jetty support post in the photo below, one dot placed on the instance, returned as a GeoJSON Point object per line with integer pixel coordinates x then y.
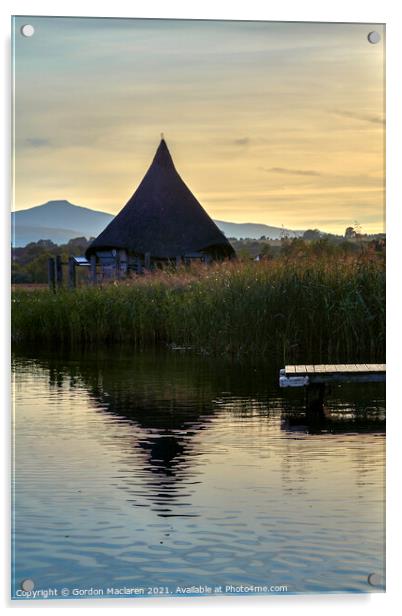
{"type": "Point", "coordinates": [59, 272]}
{"type": "Point", "coordinates": [147, 260]}
{"type": "Point", "coordinates": [71, 273]}
{"type": "Point", "coordinates": [315, 393]}
{"type": "Point", "coordinates": [51, 274]}
{"type": "Point", "coordinates": [92, 269]}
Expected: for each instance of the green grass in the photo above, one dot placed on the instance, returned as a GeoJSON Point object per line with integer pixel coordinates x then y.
{"type": "Point", "coordinates": [310, 310]}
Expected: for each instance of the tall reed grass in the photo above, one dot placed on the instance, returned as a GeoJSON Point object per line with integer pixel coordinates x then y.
{"type": "Point", "coordinates": [311, 310]}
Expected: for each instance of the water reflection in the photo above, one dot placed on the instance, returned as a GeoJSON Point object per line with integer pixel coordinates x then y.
{"type": "Point", "coordinates": [335, 422]}
{"type": "Point", "coordinates": [157, 439]}
{"type": "Point", "coordinates": [168, 399]}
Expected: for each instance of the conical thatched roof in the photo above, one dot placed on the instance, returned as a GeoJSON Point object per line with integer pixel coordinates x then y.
{"type": "Point", "coordinates": [163, 218]}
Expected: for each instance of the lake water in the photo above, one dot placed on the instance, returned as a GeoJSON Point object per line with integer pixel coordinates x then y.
{"type": "Point", "coordinates": [167, 471]}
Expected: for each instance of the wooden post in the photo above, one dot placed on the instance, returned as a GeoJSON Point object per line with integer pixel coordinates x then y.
{"type": "Point", "coordinates": [124, 263]}
{"type": "Point", "coordinates": [50, 273]}
{"type": "Point", "coordinates": [59, 272]}
{"type": "Point", "coordinates": [71, 273]}
{"type": "Point", "coordinates": [117, 265]}
{"type": "Point", "coordinates": [178, 260]}
{"type": "Point", "coordinates": [147, 260]}
{"type": "Point", "coordinates": [92, 268]}
{"type": "Point", "coordinates": [315, 398]}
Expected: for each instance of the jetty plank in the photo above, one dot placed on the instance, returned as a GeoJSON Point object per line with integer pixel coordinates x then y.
{"type": "Point", "coordinates": [321, 374]}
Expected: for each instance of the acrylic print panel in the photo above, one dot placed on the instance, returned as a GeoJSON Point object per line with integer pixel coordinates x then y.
{"type": "Point", "coordinates": [198, 308]}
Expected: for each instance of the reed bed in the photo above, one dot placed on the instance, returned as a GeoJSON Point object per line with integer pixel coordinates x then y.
{"type": "Point", "coordinates": [309, 310]}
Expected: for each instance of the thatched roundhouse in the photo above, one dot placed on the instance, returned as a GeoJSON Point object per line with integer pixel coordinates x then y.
{"type": "Point", "coordinates": [162, 222]}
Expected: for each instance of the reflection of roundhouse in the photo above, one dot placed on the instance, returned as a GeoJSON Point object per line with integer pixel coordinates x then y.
{"type": "Point", "coordinates": [162, 222]}
{"type": "Point", "coordinates": [166, 399]}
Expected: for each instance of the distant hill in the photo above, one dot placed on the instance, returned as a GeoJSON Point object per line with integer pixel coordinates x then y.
{"type": "Point", "coordinates": [25, 234]}
{"type": "Point", "coordinates": [60, 221]}
{"type": "Point", "coordinates": [254, 231]}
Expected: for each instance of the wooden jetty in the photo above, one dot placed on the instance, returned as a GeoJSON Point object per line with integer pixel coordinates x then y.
{"type": "Point", "coordinates": [315, 378]}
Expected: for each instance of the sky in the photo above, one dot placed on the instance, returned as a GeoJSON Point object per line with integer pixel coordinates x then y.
{"type": "Point", "coordinates": [267, 122]}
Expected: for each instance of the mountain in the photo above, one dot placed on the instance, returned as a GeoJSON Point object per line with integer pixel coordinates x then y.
{"type": "Point", "coordinates": [60, 221]}
{"type": "Point", "coordinates": [254, 231]}
{"type": "Point", "coordinates": [24, 234]}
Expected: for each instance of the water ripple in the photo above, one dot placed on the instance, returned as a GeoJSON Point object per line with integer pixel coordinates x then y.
{"type": "Point", "coordinates": [160, 471]}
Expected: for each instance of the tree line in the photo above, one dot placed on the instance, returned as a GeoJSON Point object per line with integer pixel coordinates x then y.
{"type": "Point", "coordinates": [29, 263]}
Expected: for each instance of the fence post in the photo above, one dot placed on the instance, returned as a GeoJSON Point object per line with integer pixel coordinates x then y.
{"type": "Point", "coordinates": [117, 265]}
{"type": "Point", "coordinates": [71, 273]}
{"type": "Point", "coordinates": [50, 273]}
{"type": "Point", "coordinates": [139, 265]}
{"type": "Point", "coordinates": [93, 269]}
{"type": "Point", "coordinates": [59, 272]}
{"type": "Point", "coordinates": [147, 260]}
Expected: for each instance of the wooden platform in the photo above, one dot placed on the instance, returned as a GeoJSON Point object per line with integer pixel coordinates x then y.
{"type": "Point", "coordinates": [303, 375]}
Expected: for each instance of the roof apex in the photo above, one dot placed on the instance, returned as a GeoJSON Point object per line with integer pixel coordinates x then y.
{"type": "Point", "coordinates": [162, 156]}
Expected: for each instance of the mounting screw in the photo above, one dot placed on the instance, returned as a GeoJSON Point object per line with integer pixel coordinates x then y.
{"type": "Point", "coordinates": [373, 37]}
{"type": "Point", "coordinates": [27, 585]}
{"type": "Point", "coordinates": [27, 30]}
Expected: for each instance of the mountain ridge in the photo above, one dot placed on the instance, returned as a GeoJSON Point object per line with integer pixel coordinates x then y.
{"type": "Point", "coordinates": [45, 222]}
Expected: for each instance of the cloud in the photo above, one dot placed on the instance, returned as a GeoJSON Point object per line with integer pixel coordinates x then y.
{"type": "Point", "coordinates": [363, 117]}
{"type": "Point", "coordinates": [37, 142]}
{"type": "Point", "coordinates": [287, 171]}
{"type": "Point", "coordinates": [286, 147]}
{"type": "Point", "coordinates": [242, 141]}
